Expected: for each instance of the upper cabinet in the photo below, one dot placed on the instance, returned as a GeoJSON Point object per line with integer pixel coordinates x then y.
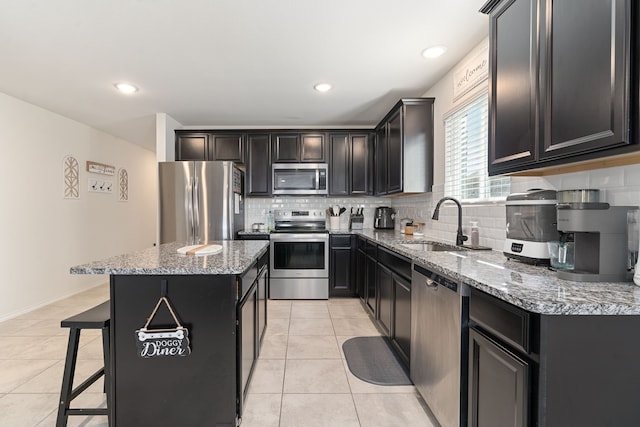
{"type": "Point", "coordinates": [561, 81]}
{"type": "Point", "coordinates": [404, 148]}
{"type": "Point", "coordinates": [192, 145]}
{"type": "Point", "coordinates": [258, 165]}
{"type": "Point", "coordinates": [298, 147]}
{"type": "Point", "coordinates": [350, 164]}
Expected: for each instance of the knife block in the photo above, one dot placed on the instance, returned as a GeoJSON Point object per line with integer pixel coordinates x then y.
{"type": "Point", "coordinates": [356, 222]}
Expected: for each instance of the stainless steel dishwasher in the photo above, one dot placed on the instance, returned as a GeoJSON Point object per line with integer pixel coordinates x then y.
{"type": "Point", "coordinates": [439, 344]}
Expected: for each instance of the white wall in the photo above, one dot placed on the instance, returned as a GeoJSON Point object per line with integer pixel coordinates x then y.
{"type": "Point", "coordinates": [165, 137]}
{"type": "Point", "coordinates": [43, 234]}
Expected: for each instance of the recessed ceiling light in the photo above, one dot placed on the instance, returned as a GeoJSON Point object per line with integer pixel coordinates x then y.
{"type": "Point", "coordinates": [323, 87]}
{"type": "Point", "coordinates": [434, 51]}
{"type": "Point", "coordinates": [126, 88]}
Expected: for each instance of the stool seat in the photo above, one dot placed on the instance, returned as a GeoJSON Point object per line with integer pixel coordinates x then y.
{"type": "Point", "coordinates": [97, 317]}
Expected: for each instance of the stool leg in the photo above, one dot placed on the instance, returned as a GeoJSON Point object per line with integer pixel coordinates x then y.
{"type": "Point", "coordinates": [67, 378]}
{"type": "Point", "coordinates": [107, 370]}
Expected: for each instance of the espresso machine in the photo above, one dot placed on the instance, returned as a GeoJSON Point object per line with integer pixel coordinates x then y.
{"type": "Point", "coordinates": [599, 235]}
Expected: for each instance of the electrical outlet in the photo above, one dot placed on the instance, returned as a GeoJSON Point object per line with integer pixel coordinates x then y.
{"type": "Point", "coordinates": [100, 186]}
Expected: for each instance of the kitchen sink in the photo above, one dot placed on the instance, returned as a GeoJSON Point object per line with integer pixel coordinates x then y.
{"type": "Point", "coordinates": [432, 246]}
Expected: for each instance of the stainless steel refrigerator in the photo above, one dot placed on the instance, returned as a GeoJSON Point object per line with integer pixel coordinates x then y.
{"type": "Point", "coordinates": [200, 202]}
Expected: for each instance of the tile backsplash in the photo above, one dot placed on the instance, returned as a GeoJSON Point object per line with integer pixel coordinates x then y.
{"type": "Point", "coordinates": [618, 185]}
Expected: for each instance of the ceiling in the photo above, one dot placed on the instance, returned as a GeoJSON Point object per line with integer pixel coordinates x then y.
{"type": "Point", "coordinates": [234, 63]}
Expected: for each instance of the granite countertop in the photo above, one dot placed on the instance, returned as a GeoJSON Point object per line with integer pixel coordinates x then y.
{"type": "Point", "coordinates": [253, 233]}
{"type": "Point", "coordinates": [236, 257]}
{"type": "Point", "coordinates": [533, 288]}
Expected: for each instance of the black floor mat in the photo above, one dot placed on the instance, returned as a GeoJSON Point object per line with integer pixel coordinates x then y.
{"type": "Point", "coordinates": [372, 360]}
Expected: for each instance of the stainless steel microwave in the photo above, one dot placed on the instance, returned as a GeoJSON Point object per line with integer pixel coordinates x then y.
{"type": "Point", "coordinates": [300, 178]}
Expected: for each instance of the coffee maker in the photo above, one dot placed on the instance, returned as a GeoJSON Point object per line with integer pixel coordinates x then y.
{"type": "Point", "coordinates": [599, 234]}
{"type": "Point", "coordinates": [384, 218]}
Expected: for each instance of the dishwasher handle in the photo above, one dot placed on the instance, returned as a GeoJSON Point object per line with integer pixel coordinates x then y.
{"type": "Point", "coordinates": [430, 283]}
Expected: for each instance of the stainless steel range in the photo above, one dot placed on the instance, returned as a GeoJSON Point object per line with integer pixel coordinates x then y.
{"type": "Point", "coordinates": [299, 255]}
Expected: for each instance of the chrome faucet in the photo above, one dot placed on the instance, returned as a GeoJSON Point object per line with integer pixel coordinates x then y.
{"type": "Point", "coordinates": [460, 238]}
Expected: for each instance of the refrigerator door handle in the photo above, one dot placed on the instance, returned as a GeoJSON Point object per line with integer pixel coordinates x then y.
{"type": "Point", "coordinates": [196, 210]}
{"type": "Point", "coordinates": [189, 210]}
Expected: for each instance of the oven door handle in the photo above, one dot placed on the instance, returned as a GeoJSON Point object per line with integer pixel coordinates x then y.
{"type": "Point", "coordinates": [299, 237]}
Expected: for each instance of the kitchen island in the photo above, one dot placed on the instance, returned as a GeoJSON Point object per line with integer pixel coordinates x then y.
{"type": "Point", "coordinates": [219, 300]}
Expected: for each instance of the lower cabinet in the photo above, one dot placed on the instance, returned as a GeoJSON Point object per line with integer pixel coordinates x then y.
{"type": "Point", "coordinates": [528, 369]}
{"type": "Point", "coordinates": [247, 341]}
{"type": "Point", "coordinates": [402, 316]}
{"type": "Point", "coordinates": [342, 274]}
{"type": "Point", "coordinates": [383, 284]}
{"type": "Point", "coordinates": [262, 296]}
{"type": "Point", "coordinates": [385, 297]}
{"type": "Point", "coordinates": [498, 384]}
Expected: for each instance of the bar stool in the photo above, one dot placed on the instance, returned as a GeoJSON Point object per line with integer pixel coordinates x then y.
{"type": "Point", "coordinates": [97, 317]}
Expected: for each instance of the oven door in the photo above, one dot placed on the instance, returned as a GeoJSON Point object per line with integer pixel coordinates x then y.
{"type": "Point", "coordinates": [298, 255]}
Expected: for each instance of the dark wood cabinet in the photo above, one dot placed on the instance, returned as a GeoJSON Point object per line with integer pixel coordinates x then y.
{"type": "Point", "coordinates": [361, 269]}
{"type": "Point", "coordinates": [361, 164]}
{"type": "Point", "coordinates": [512, 118]}
{"type": "Point", "coordinates": [342, 252]}
{"type": "Point", "coordinates": [401, 334]}
{"type": "Point", "coordinates": [350, 164]}
{"type": "Point", "coordinates": [394, 153]}
{"type": "Point", "coordinates": [192, 146]}
{"type": "Point", "coordinates": [384, 283]}
{"type": "Point", "coordinates": [299, 147]}
{"type": "Point", "coordinates": [339, 164]}
{"type": "Point", "coordinates": [498, 385]}
{"type": "Point", "coordinates": [560, 78]}
{"type": "Point", "coordinates": [258, 165]}
{"type": "Point", "coordinates": [227, 146]}
{"type": "Point", "coordinates": [210, 146]}
{"type": "Point", "coordinates": [381, 161]}
{"type": "Point", "coordinates": [404, 148]}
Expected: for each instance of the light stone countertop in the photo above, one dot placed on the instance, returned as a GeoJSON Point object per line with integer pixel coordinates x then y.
{"type": "Point", "coordinates": [235, 258]}
{"type": "Point", "coordinates": [533, 288]}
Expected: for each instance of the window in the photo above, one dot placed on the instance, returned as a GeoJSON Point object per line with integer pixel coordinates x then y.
{"type": "Point", "coordinates": [466, 135]}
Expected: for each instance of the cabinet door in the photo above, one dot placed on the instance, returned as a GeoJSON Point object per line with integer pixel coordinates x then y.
{"type": "Point", "coordinates": [312, 148]}
{"type": "Point", "coordinates": [258, 165]}
{"type": "Point", "coordinates": [192, 146]}
{"type": "Point", "coordinates": [371, 284]}
{"type": "Point", "coordinates": [247, 341]}
{"type": "Point", "coordinates": [513, 132]}
{"type": "Point", "coordinates": [361, 165]}
{"type": "Point", "coordinates": [585, 82]}
{"type": "Point", "coordinates": [286, 147]}
{"type": "Point", "coordinates": [227, 147]}
{"type": "Point", "coordinates": [339, 148]}
{"type": "Point", "coordinates": [385, 297]}
{"type": "Point", "coordinates": [394, 153]}
{"type": "Point", "coordinates": [402, 316]}
{"type": "Point", "coordinates": [341, 265]}
{"type": "Point", "coordinates": [381, 161]}
{"type": "Point", "coordinates": [263, 291]}
{"type": "Point", "coordinates": [498, 385]}
{"type": "Point", "coordinates": [361, 274]}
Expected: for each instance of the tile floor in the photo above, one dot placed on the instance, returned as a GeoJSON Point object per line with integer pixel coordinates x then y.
{"type": "Point", "coordinates": [301, 378]}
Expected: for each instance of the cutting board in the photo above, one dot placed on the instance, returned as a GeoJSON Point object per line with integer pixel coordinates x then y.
{"type": "Point", "coordinates": [200, 249]}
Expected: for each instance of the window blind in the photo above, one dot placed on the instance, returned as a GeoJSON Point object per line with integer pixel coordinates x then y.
{"type": "Point", "coordinates": [466, 145]}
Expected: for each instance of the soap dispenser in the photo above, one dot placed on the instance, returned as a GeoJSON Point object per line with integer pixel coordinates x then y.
{"type": "Point", "coordinates": [475, 234]}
